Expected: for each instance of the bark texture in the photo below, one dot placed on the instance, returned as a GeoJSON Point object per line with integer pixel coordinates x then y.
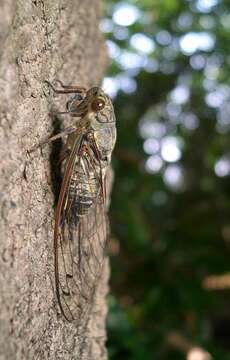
{"type": "Point", "coordinates": [40, 40]}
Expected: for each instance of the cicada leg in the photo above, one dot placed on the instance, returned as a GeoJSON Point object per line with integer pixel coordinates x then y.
{"type": "Point", "coordinates": [66, 131]}
{"type": "Point", "coordinates": [78, 89]}
{"type": "Point", "coordinates": [64, 154]}
{"type": "Point", "coordinates": [67, 89]}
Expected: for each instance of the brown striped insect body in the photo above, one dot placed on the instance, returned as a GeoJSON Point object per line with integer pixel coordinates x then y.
{"type": "Point", "coordinates": [97, 140]}
{"type": "Point", "coordinates": [80, 230]}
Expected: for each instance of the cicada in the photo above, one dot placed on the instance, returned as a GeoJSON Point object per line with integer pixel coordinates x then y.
{"type": "Point", "coordinates": [80, 229]}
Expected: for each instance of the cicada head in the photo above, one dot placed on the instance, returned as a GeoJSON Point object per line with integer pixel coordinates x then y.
{"type": "Point", "coordinates": [95, 102]}
{"type": "Point", "coordinates": [100, 105]}
{"type": "Point", "coordinates": [101, 120]}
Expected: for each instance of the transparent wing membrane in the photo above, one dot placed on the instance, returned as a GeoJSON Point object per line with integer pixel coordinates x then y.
{"type": "Point", "coordinates": [81, 239]}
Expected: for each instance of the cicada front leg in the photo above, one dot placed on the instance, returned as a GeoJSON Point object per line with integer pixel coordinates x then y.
{"type": "Point", "coordinates": [75, 88]}
{"type": "Point", "coordinates": [48, 140]}
{"type": "Point", "coordinates": [78, 91]}
{"type": "Point", "coordinates": [65, 153]}
{"type": "Point", "coordinates": [67, 89]}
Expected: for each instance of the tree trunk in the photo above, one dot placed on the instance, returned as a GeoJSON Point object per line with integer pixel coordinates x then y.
{"type": "Point", "coordinates": [40, 40]}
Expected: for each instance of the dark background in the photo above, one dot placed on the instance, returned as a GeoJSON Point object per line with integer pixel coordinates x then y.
{"type": "Point", "coordinates": [170, 247]}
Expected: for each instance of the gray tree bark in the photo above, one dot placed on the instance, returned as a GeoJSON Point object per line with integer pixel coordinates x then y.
{"type": "Point", "coordinates": [40, 40]}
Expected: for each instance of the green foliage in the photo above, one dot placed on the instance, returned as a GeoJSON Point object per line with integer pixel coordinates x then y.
{"type": "Point", "coordinates": [170, 205]}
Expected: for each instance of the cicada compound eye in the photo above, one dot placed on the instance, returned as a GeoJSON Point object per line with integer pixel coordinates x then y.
{"type": "Point", "coordinates": [98, 104]}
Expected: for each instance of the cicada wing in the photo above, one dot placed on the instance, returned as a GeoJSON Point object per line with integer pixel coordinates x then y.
{"type": "Point", "coordinates": [79, 249]}
{"type": "Point", "coordinates": [81, 253]}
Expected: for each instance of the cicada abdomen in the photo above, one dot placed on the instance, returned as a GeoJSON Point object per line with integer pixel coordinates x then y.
{"type": "Point", "coordinates": [81, 230]}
